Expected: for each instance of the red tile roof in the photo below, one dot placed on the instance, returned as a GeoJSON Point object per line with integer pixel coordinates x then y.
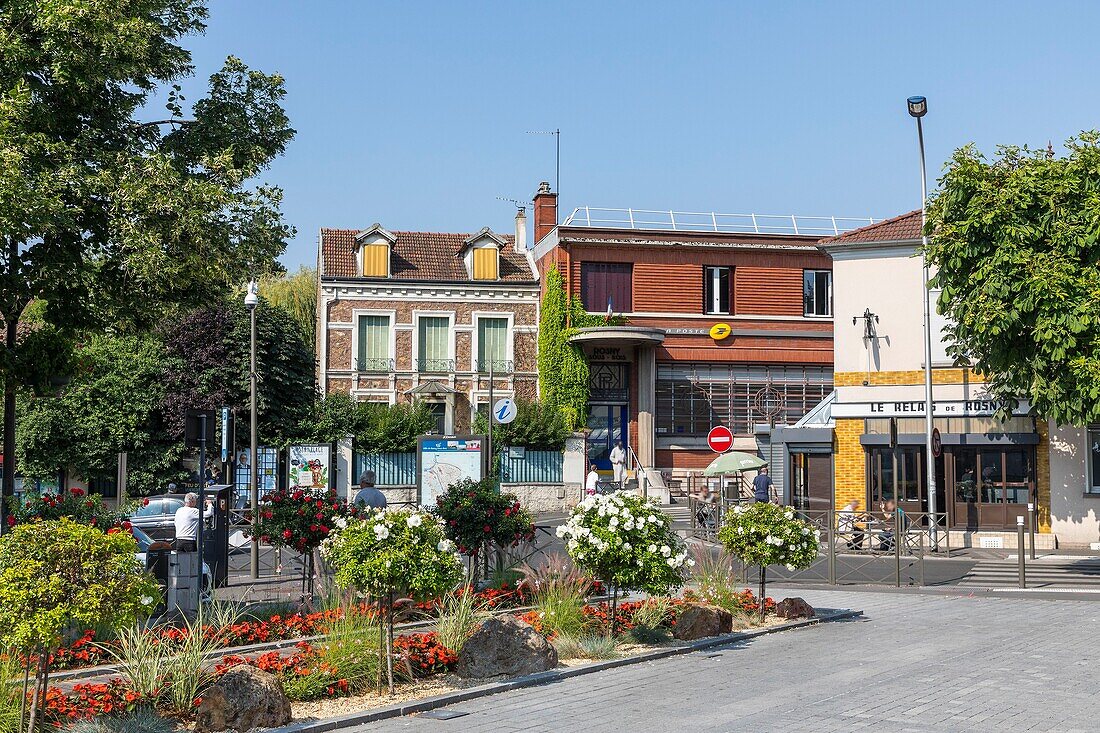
{"type": "Point", "coordinates": [418, 256]}
{"type": "Point", "coordinates": [899, 229]}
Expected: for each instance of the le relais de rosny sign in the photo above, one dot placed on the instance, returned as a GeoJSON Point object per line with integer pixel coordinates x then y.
{"type": "Point", "coordinates": [915, 408]}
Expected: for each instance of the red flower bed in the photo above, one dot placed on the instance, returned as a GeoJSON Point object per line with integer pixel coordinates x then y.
{"type": "Point", "coordinates": [87, 701]}
{"type": "Point", "coordinates": [424, 654]}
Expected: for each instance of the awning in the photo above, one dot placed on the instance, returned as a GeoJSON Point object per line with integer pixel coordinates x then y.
{"type": "Point", "coordinates": [432, 387]}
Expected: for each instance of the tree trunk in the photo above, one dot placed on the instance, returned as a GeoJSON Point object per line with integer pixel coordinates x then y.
{"type": "Point", "coordinates": [39, 692]}
{"type": "Point", "coordinates": [763, 588]}
{"type": "Point", "coordinates": [381, 645]}
{"type": "Point", "coordinates": [7, 489]}
{"type": "Point", "coordinates": [389, 645]}
{"type": "Point", "coordinates": [23, 699]}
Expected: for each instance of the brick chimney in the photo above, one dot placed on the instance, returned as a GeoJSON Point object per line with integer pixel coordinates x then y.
{"type": "Point", "coordinates": [546, 211]}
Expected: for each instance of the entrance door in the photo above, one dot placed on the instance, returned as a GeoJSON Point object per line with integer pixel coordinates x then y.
{"type": "Point", "coordinates": [606, 425]}
{"type": "Point", "coordinates": [897, 473]}
{"type": "Point", "coordinates": [812, 481]}
{"type": "Point", "coordinates": [991, 486]}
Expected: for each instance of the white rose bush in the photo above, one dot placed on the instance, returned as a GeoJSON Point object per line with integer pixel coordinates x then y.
{"type": "Point", "coordinates": [383, 554]}
{"type": "Point", "coordinates": [766, 534]}
{"type": "Point", "coordinates": [627, 542]}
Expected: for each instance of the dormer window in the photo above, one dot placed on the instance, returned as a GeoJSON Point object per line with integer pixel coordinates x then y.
{"type": "Point", "coordinates": [374, 245]}
{"type": "Point", "coordinates": [482, 255]}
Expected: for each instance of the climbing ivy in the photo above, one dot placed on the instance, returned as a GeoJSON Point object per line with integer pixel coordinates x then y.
{"type": "Point", "coordinates": [563, 369]}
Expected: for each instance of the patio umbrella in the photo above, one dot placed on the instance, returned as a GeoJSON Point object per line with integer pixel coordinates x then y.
{"type": "Point", "coordinates": [733, 462]}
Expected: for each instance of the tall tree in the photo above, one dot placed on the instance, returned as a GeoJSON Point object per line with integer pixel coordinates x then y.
{"type": "Point", "coordinates": [296, 293]}
{"type": "Point", "coordinates": [1016, 245]}
{"type": "Point", "coordinates": [104, 213]}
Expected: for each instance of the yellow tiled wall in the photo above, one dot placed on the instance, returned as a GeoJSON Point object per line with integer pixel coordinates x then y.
{"type": "Point", "coordinates": [939, 376]}
{"type": "Point", "coordinates": [849, 473]}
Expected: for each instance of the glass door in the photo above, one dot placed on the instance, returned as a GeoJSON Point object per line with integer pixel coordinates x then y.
{"type": "Point", "coordinates": [991, 486]}
{"type": "Point", "coordinates": [606, 425]}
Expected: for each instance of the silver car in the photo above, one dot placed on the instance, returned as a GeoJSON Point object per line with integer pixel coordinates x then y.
{"type": "Point", "coordinates": [157, 518]}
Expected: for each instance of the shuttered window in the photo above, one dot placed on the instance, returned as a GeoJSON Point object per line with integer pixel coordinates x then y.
{"type": "Point", "coordinates": [374, 344]}
{"type": "Point", "coordinates": [434, 344]}
{"type": "Point", "coordinates": [492, 344]}
{"type": "Point", "coordinates": [605, 284]}
{"type": "Point", "coordinates": [376, 260]}
{"type": "Point", "coordinates": [485, 263]}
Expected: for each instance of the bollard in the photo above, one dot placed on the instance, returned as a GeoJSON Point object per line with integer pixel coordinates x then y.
{"type": "Point", "coordinates": [1020, 549]}
{"type": "Point", "coordinates": [1031, 528]}
{"type": "Point", "coordinates": [897, 547]}
{"type": "Point", "coordinates": [830, 515]}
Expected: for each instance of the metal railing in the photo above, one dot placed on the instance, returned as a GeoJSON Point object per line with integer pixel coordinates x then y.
{"type": "Point", "coordinates": [709, 221]}
{"type": "Point", "coordinates": [374, 365]}
{"type": "Point", "coordinates": [390, 469]}
{"type": "Point", "coordinates": [435, 365]}
{"type": "Point", "coordinates": [499, 366]}
{"type": "Point", "coordinates": [536, 467]}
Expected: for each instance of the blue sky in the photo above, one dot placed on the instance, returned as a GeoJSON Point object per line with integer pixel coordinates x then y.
{"type": "Point", "coordinates": [414, 114]}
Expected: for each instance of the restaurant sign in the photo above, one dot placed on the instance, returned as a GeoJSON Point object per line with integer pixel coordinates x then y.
{"type": "Point", "coordinates": [915, 408]}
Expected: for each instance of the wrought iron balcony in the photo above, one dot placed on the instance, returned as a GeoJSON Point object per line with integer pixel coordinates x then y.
{"type": "Point", "coordinates": [374, 365]}
{"type": "Point", "coordinates": [435, 365]}
{"type": "Point", "coordinates": [497, 366]}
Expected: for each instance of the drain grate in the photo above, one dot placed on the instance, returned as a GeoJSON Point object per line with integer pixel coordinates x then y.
{"type": "Point", "coordinates": [442, 714]}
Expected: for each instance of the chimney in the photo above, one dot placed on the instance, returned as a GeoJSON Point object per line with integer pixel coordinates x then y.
{"type": "Point", "coordinates": [546, 211]}
{"type": "Point", "coordinates": [521, 230]}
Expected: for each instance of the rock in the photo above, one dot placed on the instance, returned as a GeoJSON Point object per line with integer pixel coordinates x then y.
{"type": "Point", "coordinates": [504, 645]}
{"type": "Point", "coordinates": [700, 620]}
{"type": "Point", "coordinates": [242, 699]}
{"type": "Point", "coordinates": [794, 608]}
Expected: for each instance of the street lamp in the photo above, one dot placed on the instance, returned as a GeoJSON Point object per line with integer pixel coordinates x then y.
{"type": "Point", "coordinates": [918, 108]}
{"type": "Point", "coordinates": [251, 299]}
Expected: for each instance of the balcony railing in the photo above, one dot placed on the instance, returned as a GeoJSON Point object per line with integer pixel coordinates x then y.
{"type": "Point", "coordinates": [435, 365]}
{"type": "Point", "coordinates": [706, 221]}
{"type": "Point", "coordinates": [497, 366]}
{"type": "Point", "coordinates": [374, 365]}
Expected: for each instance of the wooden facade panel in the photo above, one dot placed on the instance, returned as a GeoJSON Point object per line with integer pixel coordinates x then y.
{"type": "Point", "coordinates": [768, 291]}
{"type": "Point", "coordinates": [668, 288]}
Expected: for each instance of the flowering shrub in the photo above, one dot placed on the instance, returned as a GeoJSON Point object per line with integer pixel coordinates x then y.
{"type": "Point", "coordinates": [74, 504]}
{"type": "Point", "coordinates": [628, 542]}
{"type": "Point", "coordinates": [744, 601]}
{"type": "Point", "coordinates": [476, 515]}
{"type": "Point", "coordinates": [767, 534]}
{"type": "Point", "coordinates": [88, 700]}
{"type": "Point", "coordinates": [424, 654]}
{"type": "Point", "coordinates": [299, 519]}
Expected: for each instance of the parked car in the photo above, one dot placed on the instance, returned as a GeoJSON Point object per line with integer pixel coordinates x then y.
{"type": "Point", "coordinates": [157, 517]}
{"type": "Point", "coordinates": [144, 542]}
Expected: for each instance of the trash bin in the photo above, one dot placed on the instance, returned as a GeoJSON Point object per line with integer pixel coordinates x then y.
{"type": "Point", "coordinates": [157, 561]}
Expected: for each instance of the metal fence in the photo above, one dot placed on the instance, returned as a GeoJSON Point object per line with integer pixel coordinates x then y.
{"type": "Point", "coordinates": [390, 469]}
{"type": "Point", "coordinates": [536, 467]}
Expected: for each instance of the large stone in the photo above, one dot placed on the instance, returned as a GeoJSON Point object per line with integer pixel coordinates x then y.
{"type": "Point", "coordinates": [794, 608]}
{"type": "Point", "coordinates": [504, 645]}
{"type": "Point", "coordinates": [700, 620]}
{"type": "Point", "coordinates": [242, 699]}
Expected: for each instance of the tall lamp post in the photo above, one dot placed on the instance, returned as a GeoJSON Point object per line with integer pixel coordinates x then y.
{"type": "Point", "coordinates": [251, 299]}
{"type": "Point", "coordinates": [918, 108]}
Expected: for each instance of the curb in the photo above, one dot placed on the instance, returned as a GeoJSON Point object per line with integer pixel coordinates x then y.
{"type": "Point", "coordinates": [553, 675]}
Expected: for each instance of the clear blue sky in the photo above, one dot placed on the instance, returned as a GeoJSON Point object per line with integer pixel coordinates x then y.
{"type": "Point", "coordinates": [413, 114]}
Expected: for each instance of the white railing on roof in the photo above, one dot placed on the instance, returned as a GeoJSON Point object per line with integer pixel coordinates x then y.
{"type": "Point", "coordinates": [709, 221]}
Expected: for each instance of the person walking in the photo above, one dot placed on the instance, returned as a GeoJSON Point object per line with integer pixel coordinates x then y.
{"type": "Point", "coordinates": [187, 522]}
{"type": "Point", "coordinates": [762, 485]}
{"type": "Point", "coordinates": [592, 482]}
{"type": "Point", "coordinates": [618, 462]}
{"type": "Point", "coordinates": [368, 496]}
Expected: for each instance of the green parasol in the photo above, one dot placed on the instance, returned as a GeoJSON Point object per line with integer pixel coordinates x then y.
{"type": "Point", "coordinates": [734, 462]}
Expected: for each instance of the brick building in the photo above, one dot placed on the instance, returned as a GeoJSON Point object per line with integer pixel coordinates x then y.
{"type": "Point", "coordinates": [426, 316]}
{"type": "Point", "coordinates": [729, 321]}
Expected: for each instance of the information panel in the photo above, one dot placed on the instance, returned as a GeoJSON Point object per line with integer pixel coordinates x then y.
{"type": "Point", "coordinates": [308, 466]}
{"type": "Point", "coordinates": [444, 461]}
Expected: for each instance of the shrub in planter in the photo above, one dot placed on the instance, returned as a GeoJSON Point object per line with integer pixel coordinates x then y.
{"type": "Point", "coordinates": [629, 543]}
{"type": "Point", "coordinates": [395, 552]}
{"type": "Point", "coordinates": [74, 504]}
{"type": "Point", "coordinates": [766, 534]}
{"type": "Point", "coordinates": [477, 516]}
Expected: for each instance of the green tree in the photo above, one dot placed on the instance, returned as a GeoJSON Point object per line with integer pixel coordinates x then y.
{"type": "Point", "coordinates": [111, 405]}
{"type": "Point", "coordinates": [104, 214]}
{"type": "Point", "coordinates": [537, 426]}
{"type": "Point", "coordinates": [1016, 243]}
{"type": "Point", "coordinates": [295, 293]}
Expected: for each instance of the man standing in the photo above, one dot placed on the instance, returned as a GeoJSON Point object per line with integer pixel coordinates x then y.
{"type": "Point", "coordinates": [368, 496]}
{"type": "Point", "coordinates": [187, 522]}
{"type": "Point", "coordinates": [618, 462]}
{"type": "Point", "coordinates": [762, 485]}
{"type": "Point", "coordinates": [591, 483]}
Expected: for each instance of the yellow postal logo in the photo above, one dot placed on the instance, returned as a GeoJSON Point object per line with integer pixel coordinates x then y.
{"type": "Point", "coordinates": [719, 331]}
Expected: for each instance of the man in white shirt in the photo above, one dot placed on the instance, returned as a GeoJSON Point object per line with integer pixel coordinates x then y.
{"type": "Point", "coordinates": [591, 483]}
{"type": "Point", "coordinates": [618, 462]}
{"type": "Point", "coordinates": [187, 522]}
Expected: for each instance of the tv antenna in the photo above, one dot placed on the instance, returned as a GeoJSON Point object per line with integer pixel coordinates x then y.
{"type": "Point", "coordinates": [516, 202]}
{"type": "Point", "coordinates": [557, 158]}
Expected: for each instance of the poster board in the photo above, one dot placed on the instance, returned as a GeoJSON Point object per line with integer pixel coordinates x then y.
{"type": "Point", "coordinates": [441, 462]}
{"type": "Point", "coordinates": [309, 466]}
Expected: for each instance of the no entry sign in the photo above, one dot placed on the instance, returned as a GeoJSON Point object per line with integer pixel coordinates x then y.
{"type": "Point", "coordinates": [720, 439]}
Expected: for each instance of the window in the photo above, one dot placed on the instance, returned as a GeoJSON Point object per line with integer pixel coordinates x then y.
{"type": "Point", "coordinates": [376, 260]}
{"type": "Point", "coordinates": [1093, 446]}
{"type": "Point", "coordinates": [693, 398]}
{"type": "Point", "coordinates": [374, 344]}
{"type": "Point", "coordinates": [485, 263]}
{"type": "Point", "coordinates": [434, 353]}
{"type": "Point", "coordinates": [492, 344]}
{"type": "Point", "coordinates": [716, 290]}
{"type": "Point", "coordinates": [606, 285]}
{"type": "Point", "coordinates": [817, 292]}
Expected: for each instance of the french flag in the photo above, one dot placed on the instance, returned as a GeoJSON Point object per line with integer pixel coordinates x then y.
{"type": "Point", "coordinates": [610, 312]}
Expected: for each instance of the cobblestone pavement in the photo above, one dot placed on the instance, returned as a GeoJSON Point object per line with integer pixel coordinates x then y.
{"type": "Point", "coordinates": [915, 663]}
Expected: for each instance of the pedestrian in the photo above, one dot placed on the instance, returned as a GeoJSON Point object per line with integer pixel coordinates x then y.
{"type": "Point", "coordinates": [762, 485]}
{"type": "Point", "coordinates": [368, 496]}
{"type": "Point", "coordinates": [618, 462]}
{"type": "Point", "coordinates": [187, 522]}
{"type": "Point", "coordinates": [591, 484]}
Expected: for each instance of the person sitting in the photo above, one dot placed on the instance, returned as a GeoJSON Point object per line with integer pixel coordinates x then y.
{"type": "Point", "coordinates": [849, 527]}
{"type": "Point", "coordinates": [368, 496]}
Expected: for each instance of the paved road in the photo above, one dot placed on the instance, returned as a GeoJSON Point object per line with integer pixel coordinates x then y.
{"type": "Point", "coordinates": [916, 663]}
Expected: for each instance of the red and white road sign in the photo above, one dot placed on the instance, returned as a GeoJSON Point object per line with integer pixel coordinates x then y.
{"type": "Point", "coordinates": [720, 439]}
